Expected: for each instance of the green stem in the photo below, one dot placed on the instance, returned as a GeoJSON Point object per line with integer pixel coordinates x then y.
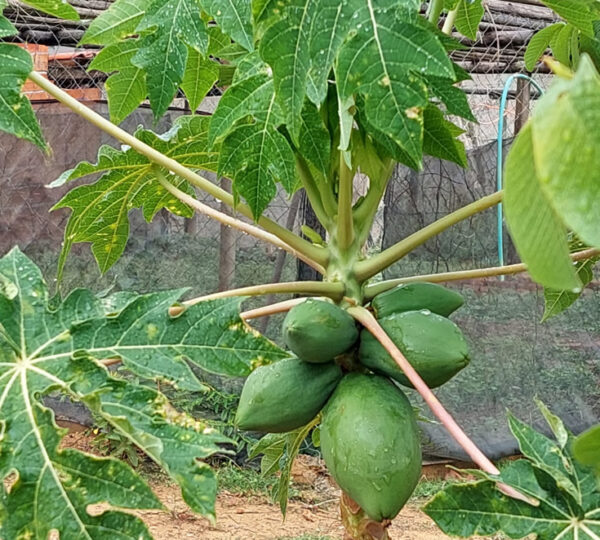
{"type": "Point", "coordinates": [230, 221]}
{"type": "Point", "coordinates": [367, 269]}
{"type": "Point", "coordinates": [435, 9]}
{"type": "Point", "coordinates": [345, 220]}
{"type": "Point", "coordinates": [312, 192]}
{"type": "Point", "coordinates": [449, 22]}
{"type": "Point", "coordinates": [365, 214]}
{"type": "Point", "coordinates": [371, 291]}
{"type": "Point", "coordinates": [317, 254]}
{"type": "Point", "coordinates": [318, 288]}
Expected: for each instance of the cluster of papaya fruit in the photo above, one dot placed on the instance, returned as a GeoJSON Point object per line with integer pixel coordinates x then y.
{"type": "Point", "coordinates": [369, 436]}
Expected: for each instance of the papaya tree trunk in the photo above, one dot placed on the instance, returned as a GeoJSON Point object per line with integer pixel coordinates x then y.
{"type": "Point", "coordinates": [359, 526]}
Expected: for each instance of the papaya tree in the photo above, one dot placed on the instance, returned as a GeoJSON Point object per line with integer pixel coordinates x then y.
{"type": "Point", "coordinates": [315, 93]}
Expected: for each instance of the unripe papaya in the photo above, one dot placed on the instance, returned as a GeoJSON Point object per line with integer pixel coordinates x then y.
{"type": "Point", "coordinates": [432, 344]}
{"type": "Point", "coordinates": [317, 331]}
{"type": "Point", "coordinates": [370, 443]}
{"type": "Point", "coordinates": [286, 395]}
{"type": "Point", "coordinates": [415, 296]}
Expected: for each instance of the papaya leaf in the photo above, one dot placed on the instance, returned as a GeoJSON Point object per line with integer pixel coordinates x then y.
{"type": "Point", "coordinates": [16, 115]}
{"type": "Point", "coordinates": [119, 21]}
{"type": "Point", "coordinates": [587, 448]}
{"type": "Point", "coordinates": [200, 75]}
{"type": "Point", "coordinates": [58, 8]}
{"type": "Point", "coordinates": [539, 43]}
{"type": "Point", "coordinates": [440, 137]}
{"type": "Point", "coordinates": [384, 61]}
{"type": "Point", "coordinates": [234, 17]}
{"type": "Point", "coordinates": [6, 27]}
{"type": "Point", "coordinates": [555, 301]}
{"type": "Point", "coordinates": [126, 87]}
{"type": "Point", "coordinates": [328, 31]}
{"type": "Point", "coordinates": [468, 17]}
{"type": "Point", "coordinates": [452, 97]}
{"type": "Point", "coordinates": [567, 151]}
{"type": "Point", "coordinates": [479, 508]}
{"type": "Point", "coordinates": [540, 237]}
{"type": "Point", "coordinates": [561, 44]}
{"type": "Point", "coordinates": [52, 349]}
{"type": "Point", "coordinates": [170, 27]}
{"type": "Point", "coordinates": [579, 13]}
{"type": "Point", "coordinates": [314, 141]}
{"type": "Point", "coordinates": [100, 210]}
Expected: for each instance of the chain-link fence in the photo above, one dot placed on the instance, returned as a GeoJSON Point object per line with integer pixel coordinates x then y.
{"type": "Point", "coordinates": [514, 357]}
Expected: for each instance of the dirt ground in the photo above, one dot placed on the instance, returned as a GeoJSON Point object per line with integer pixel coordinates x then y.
{"type": "Point", "coordinates": [313, 513]}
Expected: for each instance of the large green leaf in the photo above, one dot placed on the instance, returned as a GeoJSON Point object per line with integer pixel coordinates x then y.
{"type": "Point", "coordinates": [58, 8]}
{"type": "Point", "coordinates": [234, 17]}
{"type": "Point", "coordinates": [540, 236]}
{"type": "Point", "coordinates": [44, 349]}
{"type": "Point", "coordinates": [126, 87]}
{"type": "Point", "coordinates": [119, 21]}
{"type": "Point", "coordinates": [173, 25]}
{"type": "Point", "coordinates": [539, 43]}
{"type": "Point", "coordinates": [16, 114]}
{"type": "Point", "coordinates": [567, 151]}
{"type": "Point", "coordinates": [481, 509]}
{"type": "Point", "coordinates": [384, 62]}
{"type": "Point", "coordinates": [440, 137]}
{"type": "Point", "coordinates": [100, 210]}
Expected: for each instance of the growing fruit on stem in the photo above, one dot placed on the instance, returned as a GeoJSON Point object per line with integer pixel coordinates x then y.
{"type": "Point", "coordinates": [432, 344]}
{"type": "Point", "coordinates": [414, 296]}
{"type": "Point", "coordinates": [370, 443]}
{"type": "Point", "coordinates": [285, 395]}
{"type": "Point", "coordinates": [318, 331]}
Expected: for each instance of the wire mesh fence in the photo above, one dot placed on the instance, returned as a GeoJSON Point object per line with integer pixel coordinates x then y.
{"type": "Point", "coordinates": [514, 357]}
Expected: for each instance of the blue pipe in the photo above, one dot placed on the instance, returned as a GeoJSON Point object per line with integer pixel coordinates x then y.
{"type": "Point", "coordinates": [503, 99]}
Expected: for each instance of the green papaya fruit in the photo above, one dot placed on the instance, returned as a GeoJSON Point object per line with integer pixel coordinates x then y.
{"type": "Point", "coordinates": [370, 443]}
{"type": "Point", "coordinates": [317, 331]}
{"type": "Point", "coordinates": [432, 344]}
{"type": "Point", "coordinates": [286, 395]}
{"type": "Point", "coordinates": [414, 296]}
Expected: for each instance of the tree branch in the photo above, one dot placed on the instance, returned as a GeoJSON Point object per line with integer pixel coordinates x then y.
{"type": "Point", "coordinates": [365, 317]}
{"type": "Point", "coordinates": [272, 309]}
{"type": "Point", "coordinates": [368, 268]}
{"type": "Point", "coordinates": [316, 253]}
{"type": "Point", "coordinates": [371, 291]}
{"type": "Point", "coordinates": [233, 222]}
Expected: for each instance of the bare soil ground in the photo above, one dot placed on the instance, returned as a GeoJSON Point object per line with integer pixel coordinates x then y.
{"type": "Point", "coordinates": [313, 513]}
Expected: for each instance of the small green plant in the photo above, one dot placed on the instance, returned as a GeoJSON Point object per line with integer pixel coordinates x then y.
{"type": "Point", "coordinates": [109, 442]}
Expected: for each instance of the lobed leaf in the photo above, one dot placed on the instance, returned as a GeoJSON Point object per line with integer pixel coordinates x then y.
{"type": "Point", "coordinates": [100, 210]}
{"type": "Point", "coordinates": [46, 348]}
{"type": "Point", "coordinates": [58, 8]}
{"type": "Point", "coordinates": [6, 27]}
{"type": "Point", "coordinates": [235, 18]}
{"type": "Point", "coordinates": [16, 115]}
{"type": "Point", "coordinates": [119, 21]}
{"type": "Point", "coordinates": [480, 508]}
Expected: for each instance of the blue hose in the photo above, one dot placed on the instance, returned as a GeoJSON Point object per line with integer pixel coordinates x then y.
{"type": "Point", "coordinates": [503, 99]}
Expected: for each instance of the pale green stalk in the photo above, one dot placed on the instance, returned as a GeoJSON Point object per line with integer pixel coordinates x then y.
{"type": "Point", "coordinates": [230, 221]}
{"type": "Point", "coordinates": [370, 267]}
{"type": "Point", "coordinates": [313, 193]}
{"type": "Point", "coordinates": [435, 9]}
{"type": "Point", "coordinates": [449, 22]}
{"type": "Point", "coordinates": [345, 220]}
{"type": "Point", "coordinates": [371, 291]}
{"type": "Point", "coordinates": [317, 254]}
